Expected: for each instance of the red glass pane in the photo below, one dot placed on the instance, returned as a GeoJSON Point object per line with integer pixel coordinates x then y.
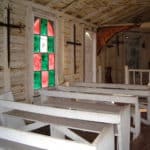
{"type": "Point", "coordinates": [44, 79]}
{"type": "Point", "coordinates": [51, 61]}
{"type": "Point", "coordinates": [37, 26]}
{"type": "Point", "coordinates": [37, 62]}
{"type": "Point", "coordinates": [50, 29]}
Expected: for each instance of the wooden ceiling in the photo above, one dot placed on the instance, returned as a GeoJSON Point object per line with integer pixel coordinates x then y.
{"type": "Point", "coordinates": [103, 12]}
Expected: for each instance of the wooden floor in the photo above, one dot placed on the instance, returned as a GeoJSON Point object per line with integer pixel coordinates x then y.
{"type": "Point", "coordinates": [143, 141]}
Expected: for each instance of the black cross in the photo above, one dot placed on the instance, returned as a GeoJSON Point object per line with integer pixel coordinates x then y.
{"type": "Point", "coordinates": [8, 25]}
{"type": "Point", "coordinates": [74, 43]}
{"type": "Point", "coordinates": [117, 42]}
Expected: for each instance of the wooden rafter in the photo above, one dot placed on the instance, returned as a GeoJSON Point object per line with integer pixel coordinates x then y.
{"type": "Point", "coordinates": [93, 14]}
{"type": "Point", "coordinates": [121, 13]}
{"type": "Point", "coordinates": [105, 15]}
{"type": "Point", "coordinates": [129, 16]}
{"type": "Point", "coordinates": [67, 7]}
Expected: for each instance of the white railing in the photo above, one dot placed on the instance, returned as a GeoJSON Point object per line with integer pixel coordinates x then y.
{"type": "Point", "coordinates": [137, 76]}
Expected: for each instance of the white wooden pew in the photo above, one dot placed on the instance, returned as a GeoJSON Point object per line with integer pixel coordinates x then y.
{"type": "Point", "coordinates": [108, 85]}
{"type": "Point", "coordinates": [96, 95]}
{"type": "Point", "coordinates": [8, 121]}
{"type": "Point", "coordinates": [10, 138]}
{"type": "Point", "coordinates": [16, 123]}
{"type": "Point", "coordinates": [128, 89]}
{"type": "Point", "coordinates": [58, 116]}
{"type": "Point", "coordinates": [123, 126]}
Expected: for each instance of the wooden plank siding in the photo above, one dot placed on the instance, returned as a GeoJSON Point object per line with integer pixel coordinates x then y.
{"type": "Point", "coordinates": [1, 53]}
{"type": "Point", "coordinates": [21, 49]}
{"type": "Point", "coordinates": [68, 51]}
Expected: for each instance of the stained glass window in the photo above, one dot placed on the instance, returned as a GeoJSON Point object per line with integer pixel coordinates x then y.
{"type": "Point", "coordinates": [43, 53]}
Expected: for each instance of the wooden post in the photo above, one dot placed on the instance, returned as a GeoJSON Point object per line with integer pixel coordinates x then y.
{"type": "Point", "coordinates": [94, 57]}
{"type": "Point", "coordinates": [149, 79]}
{"type": "Point", "coordinates": [7, 86]}
{"type": "Point", "coordinates": [100, 74]}
{"type": "Point", "coordinates": [148, 109]}
{"type": "Point", "coordinates": [126, 75]}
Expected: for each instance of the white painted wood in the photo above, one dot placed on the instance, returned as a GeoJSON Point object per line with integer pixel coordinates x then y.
{"type": "Point", "coordinates": [69, 123]}
{"type": "Point", "coordinates": [7, 120]}
{"type": "Point", "coordinates": [60, 50]}
{"type": "Point", "coordinates": [110, 85]}
{"type": "Point", "coordinates": [85, 96]}
{"type": "Point", "coordinates": [90, 56]}
{"type": "Point", "coordinates": [94, 57]}
{"type": "Point", "coordinates": [114, 92]}
{"type": "Point", "coordinates": [64, 131]}
{"type": "Point", "coordinates": [106, 139]}
{"type": "Point", "coordinates": [28, 54]}
{"type": "Point", "coordinates": [133, 77]}
{"type": "Point", "coordinates": [100, 74]}
{"type": "Point", "coordinates": [33, 126]}
{"type": "Point", "coordinates": [56, 133]}
{"type": "Point", "coordinates": [148, 110]}
{"type": "Point", "coordinates": [40, 141]}
{"type": "Point", "coordinates": [137, 90]}
{"type": "Point", "coordinates": [123, 92]}
{"type": "Point", "coordinates": [70, 134]}
{"type": "Point", "coordinates": [72, 114]}
{"type": "Point", "coordinates": [126, 75]}
{"type": "Point", "coordinates": [89, 96]}
{"type": "Point", "coordinates": [133, 71]}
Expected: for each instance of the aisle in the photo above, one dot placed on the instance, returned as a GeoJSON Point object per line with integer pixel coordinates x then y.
{"type": "Point", "coordinates": [143, 141]}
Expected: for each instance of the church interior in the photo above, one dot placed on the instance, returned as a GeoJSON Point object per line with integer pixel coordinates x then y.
{"type": "Point", "coordinates": [74, 74]}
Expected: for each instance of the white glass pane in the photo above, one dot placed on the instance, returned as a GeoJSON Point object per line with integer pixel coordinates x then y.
{"type": "Point", "coordinates": [43, 44]}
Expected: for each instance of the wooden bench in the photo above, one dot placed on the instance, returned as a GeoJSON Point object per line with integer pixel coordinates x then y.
{"type": "Point", "coordinates": [61, 118]}
{"type": "Point", "coordinates": [136, 90]}
{"type": "Point", "coordinates": [123, 113]}
{"type": "Point", "coordinates": [20, 140]}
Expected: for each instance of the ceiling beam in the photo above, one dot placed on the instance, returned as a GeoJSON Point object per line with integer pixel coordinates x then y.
{"type": "Point", "coordinates": [117, 25]}
{"type": "Point", "coordinates": [129, 16]}
{"type": "Point", "coordinates": [95, 13]}
{"type": "Point", "coordinates": [56, 12]}
{"type": "Point", "coordinates": [54, 1]}
{"type": "Point", "coordinates": [118, 15]}
{"type": "Point", "coordinates": [125, 16]}
{"type": "Point", "coordinates": [68, 6]}
{"type": "Point", "coordinates": [137, 12]}
{"type": "Point", "coordinates": [106, 15]}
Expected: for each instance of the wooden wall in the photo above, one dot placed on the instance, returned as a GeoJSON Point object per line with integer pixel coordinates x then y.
{"type": "Point", "coordinates": [20, 72]}
{"type": "Point", "coordinates": [16, 71]}
{"type": "Point", "coordinates": [68, 71]}
{"type": "Point", "coordinates": [1, 59]}
{"type": "Point", "coordinates": [109, 57]}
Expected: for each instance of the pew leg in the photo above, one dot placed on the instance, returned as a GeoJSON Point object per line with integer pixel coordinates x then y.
{"type": "Point", "coordinates": [55, 133]}
{"type": "Point", "coordinates": [124, 130]}
{"type": "Point", "coordinates": [137, 121]}
{"type": "Point", "coordinates": [147, 121]}
{"type": "Point", "coordinates": [148, 109]}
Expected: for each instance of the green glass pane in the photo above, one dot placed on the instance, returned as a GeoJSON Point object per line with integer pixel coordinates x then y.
{"type": "Point", "coordinates": [44, 61]}
{"type": "Point", "coordinates": [51, 42]}
{"type": "Point", "coordinates": [51, 78]}
{"type": "Point", "coordinates": [37, 80]}
{"type": "Point", "coordinates": [43, 27]}
{"type": "Point", "coordinates": [36, 43]}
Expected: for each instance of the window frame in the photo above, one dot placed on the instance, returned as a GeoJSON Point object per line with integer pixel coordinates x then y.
{"type": "Point", "coordinates": [31, 14]}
